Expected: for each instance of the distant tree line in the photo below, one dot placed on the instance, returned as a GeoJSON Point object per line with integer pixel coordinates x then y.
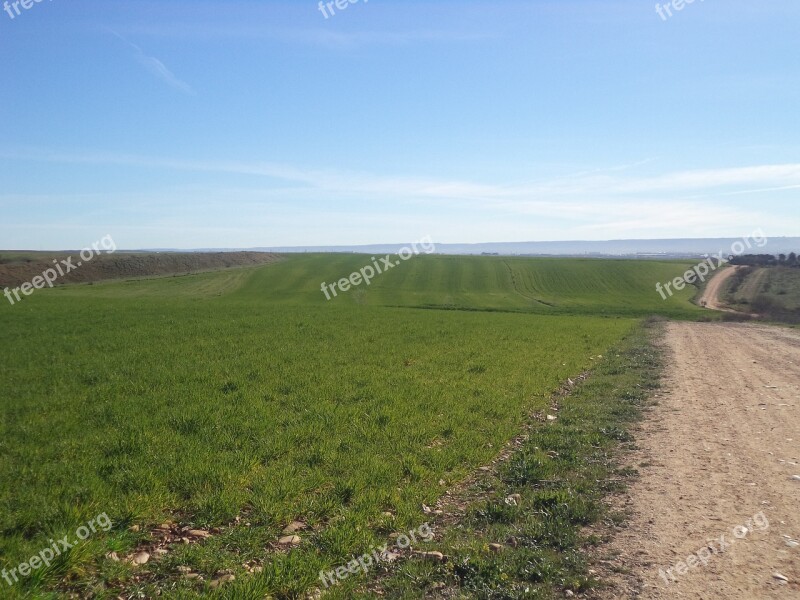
{"type": "Point", "coordinates": [766, 260]}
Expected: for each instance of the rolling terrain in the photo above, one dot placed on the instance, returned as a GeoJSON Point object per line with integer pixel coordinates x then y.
{"type": "Point", "coordinates": [770, 291]}
{"type": "Point", "coordinates": [238, 402]}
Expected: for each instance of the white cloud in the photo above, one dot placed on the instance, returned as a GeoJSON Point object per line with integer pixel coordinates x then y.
{"type": "Point", "coordinates": [156, 67]}
{"type": "Point", "coordinates": [598, 204]}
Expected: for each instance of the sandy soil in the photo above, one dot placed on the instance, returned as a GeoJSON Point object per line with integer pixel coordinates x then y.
{"type": "Point", "coordinates": [717, 453]}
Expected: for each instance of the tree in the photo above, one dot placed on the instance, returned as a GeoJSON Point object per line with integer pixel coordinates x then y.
{"type": "Point", "coordinates": [781, 258]}
{"type": "Point", "coordinates": [792, 259]}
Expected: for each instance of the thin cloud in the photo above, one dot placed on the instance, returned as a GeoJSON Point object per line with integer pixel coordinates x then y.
{"type": "Point", "coordinates": [342, 39]}
{"type": "Point", "coordinates": [323, 35]}
{"type": "Point", "coordinates": [751, 179]}
{"type": "Point", "coordinates": [156, 67]}
{"type": "Point", "coordinates": [618, 201]}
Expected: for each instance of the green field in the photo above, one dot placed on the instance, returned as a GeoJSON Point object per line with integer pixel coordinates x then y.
{"type": "Point", "coordinates": [532, 285]}
{"type": "Point", "coordinates": [244, 396]}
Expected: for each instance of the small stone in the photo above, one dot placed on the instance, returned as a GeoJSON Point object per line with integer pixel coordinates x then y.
{"type": "Point", "coordinates": [780, 577]}
{"type": "Point", "coordinates": [141, 558]}
{"type": "Point", "coordinates": [389, 557]}
{"type": "Point", "coordinates": [290, 540]}
{"type": "Point", "coordinates": [796, 477]}
{"type": "Point", "coordinates": [113, 556]}
{"type": "Point", "coordinates": [496, 547]}
{"type": "Point", "coordinates": [199, 533]}
{"type": "Point", "coordinates": [436, 556]}
{"type": "Point", "coordinates": [514, 500]}
{"type": "Point", "coordinates": [184, 569]}
{"type": "Point", "coordinates": [191, 575]}
{"type": "Point", "coordinates": [134, 528]}
{"type": "Point", "coordinates": [388, 515]}
{"type": "Point", "coordinates": [257, 569]}
{"type": "Point", "coordinates": [294, 527]}
{"type": "Point", "coordinates": [792, 543]}
{"type": "Point", "coordinates": [551, 417]}
{"type": "Point", "coordinates": [222, 580]}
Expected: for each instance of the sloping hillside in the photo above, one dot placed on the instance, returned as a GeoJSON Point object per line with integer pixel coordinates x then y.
{"type": "Point", "coordinates": [16, 267]}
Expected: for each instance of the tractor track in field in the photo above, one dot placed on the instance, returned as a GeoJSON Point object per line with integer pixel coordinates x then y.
{"type": "Point", "coordinates": [520, 292]}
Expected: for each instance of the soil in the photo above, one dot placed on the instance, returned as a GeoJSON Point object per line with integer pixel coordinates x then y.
{"type": "Point", "coordinates": [712, 292]}
{"type": "Point", "coordinates": [719, 452]}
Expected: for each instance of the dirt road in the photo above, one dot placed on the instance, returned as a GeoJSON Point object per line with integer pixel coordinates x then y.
{"type": "Point", "coordinates": [717, 455]}
{"type": "Point", "coordinates": [711, 293]}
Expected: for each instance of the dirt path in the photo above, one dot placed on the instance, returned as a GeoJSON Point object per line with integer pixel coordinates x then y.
{"type": "Point", "coordinates": [717, 454]}
{"type": "Point", "coordinates": [711, 293]}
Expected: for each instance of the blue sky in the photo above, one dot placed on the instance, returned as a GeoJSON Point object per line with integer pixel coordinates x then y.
{"type": "Point", "coordinates": [239, 124]}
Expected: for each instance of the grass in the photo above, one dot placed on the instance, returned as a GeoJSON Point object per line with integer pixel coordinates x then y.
{"type": "Point", "coordinates": [242, 400]}
{"type": "Point", "coordinates": [542, 286]}
{"type": "Point", "coordinates": [504, 284]}
{"type": "Point", "coordinates": [556, 481]}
